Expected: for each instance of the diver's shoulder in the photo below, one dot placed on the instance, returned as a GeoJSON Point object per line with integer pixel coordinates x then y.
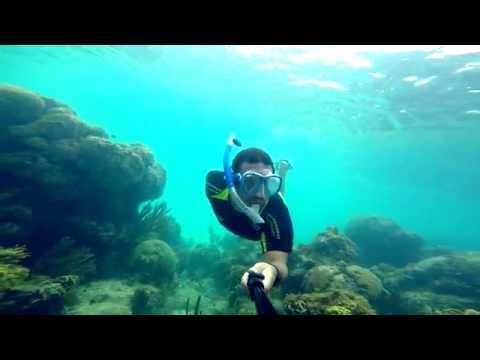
{"type": "Point", "coordinates": [216, 178]}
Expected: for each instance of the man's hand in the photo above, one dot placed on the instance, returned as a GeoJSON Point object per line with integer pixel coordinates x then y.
{"type": "Point", "coordinates": [267, 270]}
{"type": "Point", "coordinates": [284, 166]}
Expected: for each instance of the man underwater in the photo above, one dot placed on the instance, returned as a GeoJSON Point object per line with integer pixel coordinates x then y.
{"type": "Point", "coordinates": [248, 200]}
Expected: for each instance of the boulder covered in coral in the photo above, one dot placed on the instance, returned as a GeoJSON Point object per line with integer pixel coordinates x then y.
{"type": "Point", "coordinates": [39, 295]}
{"type": "Point", "coordinates": [353, 278]}
{"type": "Point", "coordinates": [21, 293]}
{"type": "Point", "coordinates": [417, 302]}
{"type": "Point", "coordinates": [433, 284]}
{"type": "Point", "coordinates": [71, 195]}
{"type": "Point", "coordinates": [18, 106]}
{"type": "Point", "coordinates": [457, 274]}
{"type": "Point", "coordinates": [334, 302]}
{"type": "Point", "coordinates": [66, 258]}
{"type": "Point", "coordinates": [332, 245]}
{"type": "Point", "coordinates": [50, 160]}
{"type": "Point", "coordinates": [319, 278]}
{"type": "Point", "coordinates": [154, 261]}
{"type": "Point", "coordinates": [61, 177]}
{"type": "Point", "coordinates": [329, 247]}
{"type": "Point", "coordinates": [380, 240]}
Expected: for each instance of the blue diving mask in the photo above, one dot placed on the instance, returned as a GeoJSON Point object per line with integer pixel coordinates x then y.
{"type": "Point", "coordinates": [250, 182]}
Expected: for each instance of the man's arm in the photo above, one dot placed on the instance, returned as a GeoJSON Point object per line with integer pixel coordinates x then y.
{"type": "Point", "coordinates": [283, 168]}
{"type": "Point", "coordinates": [279, 259]}
{"type": "Point", "coordinates": [279, 236]}
{"type": "Point", "coordinates": [274, 268]}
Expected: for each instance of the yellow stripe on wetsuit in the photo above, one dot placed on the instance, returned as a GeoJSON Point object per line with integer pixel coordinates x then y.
{"type": "Point", "coordinates": [263, 242]}
{"type": "Point", "coordinates": [222, 195]}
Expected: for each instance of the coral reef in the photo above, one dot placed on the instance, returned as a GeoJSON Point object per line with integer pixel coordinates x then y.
{"type": "Point", "coordinates": [380, 240]}
{"type": "Point", "coordinates": [11, 272]}
{"type": "Point", "coordinates": [39, 295]}
{"type": "Point", "coordinates": [49, 159]}
{"type": "Point", "coordinates": [457, 274]}
{"type": "Point", "coordinates": [337, 310]}
{"type": "Point", "coordinates": [155, 222]}
{"type": "Point", "coordinates": [146, 300]}
{"type": "Point", "coordinates": [21, 293]}
{"type": "Point", "coordinates": [65, 258]}
{"type": "Point", "coordinates": [331, 245]}
{"type": "Point", "coordinates": [154, 261]}
{"type": "Point", "coordinates": [317, 303]}
{"type": "Point", "coordinates": [433, 284]}
{"type": "Point", "coordinates": [18, 106]}
{"type": "Point", "coordinates": [430, 303]}
{"type": "Point", "coordinates": [366, 282]}
{"type": "Point", "coordinates": [319, 278]}
{"type": "Point", "coordinates": [119, 250]}
{"type": "Point", "coordinates": [354, 278]}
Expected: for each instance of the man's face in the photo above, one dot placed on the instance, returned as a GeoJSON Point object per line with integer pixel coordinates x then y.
{"type": "Point", "coordinates": [260, 197]}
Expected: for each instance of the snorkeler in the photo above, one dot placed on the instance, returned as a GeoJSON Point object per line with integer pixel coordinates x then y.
{"type": "Point", "coordinates": [248, 200]}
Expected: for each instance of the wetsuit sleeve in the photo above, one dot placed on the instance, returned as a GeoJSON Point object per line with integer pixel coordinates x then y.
{"type": "Point", "coordinates": [279, 227]}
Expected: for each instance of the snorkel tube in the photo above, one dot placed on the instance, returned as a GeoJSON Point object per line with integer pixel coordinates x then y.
{"type": "Point", "coordinates": [236, 201]}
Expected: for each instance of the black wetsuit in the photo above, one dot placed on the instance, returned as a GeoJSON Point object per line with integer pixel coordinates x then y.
{"type": "Point", "coordinates": [277, 229]}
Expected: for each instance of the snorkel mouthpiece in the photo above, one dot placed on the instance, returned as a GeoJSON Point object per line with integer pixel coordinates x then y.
{"type": "Point", "coordinates": [252, 213]}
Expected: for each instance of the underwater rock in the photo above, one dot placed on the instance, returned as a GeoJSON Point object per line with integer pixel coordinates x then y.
{"type": "Point", "coordinates": [367, 283]}
{"type": "Point", "coordinates": [21, 293]}
{"type": "Point", "coordinates": [301, 258]}
{"type": "Point", "coordinates": [51, 159]}
{"type": "Point", "coordinates": [328, 248]}
{"type": "Point", "coordinates": [352, 278]}
{"type": "Point", "coordinates": [319, 278]}
{"type": "Point", "coordinates": [154, 261]}
{"type": "Point", "coordinates": [146, 300]}
{"type": "Point", "coordinates": [38, 295]}
{"type": "Point", "coordinates": [34, 168]}
{"type": "Point", "coordinates": [329, 244]}
{"type": "Point", "coordinates": [12, 272]}
{"type": "Point", "coordinates": [457, 312]}
{"type": "Point", "coordinates": [294, 282]}
{"type": "Point", "coordinates": [433, 251]}
{"type": "Point", "coordinates": [19, 106]}
{"type": "Point", "coordinates": [67, 258]}
{"type": "Point", "coordinates": [56, 124]}
{"type": "Point", "coordinates": [430, 303]}
{"type": "Point", "coordinates": [380, 240]}
{"type": "Point", "coordinates": [452, 274]}
{"type": "Point", "coordinates": [317, 303]}
{"type": "Point", "coordinates": [128, 166]}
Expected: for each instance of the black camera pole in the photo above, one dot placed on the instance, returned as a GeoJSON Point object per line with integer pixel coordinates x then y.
{"type": "Point", "coordinates": [257, 294]}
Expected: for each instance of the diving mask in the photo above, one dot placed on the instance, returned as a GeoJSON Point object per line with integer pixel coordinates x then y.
{"type": "Point", "coordinates": [251, 181]}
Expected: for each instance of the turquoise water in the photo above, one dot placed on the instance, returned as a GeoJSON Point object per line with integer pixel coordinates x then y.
{"type": "Point", "coordinates": [387, 131]}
